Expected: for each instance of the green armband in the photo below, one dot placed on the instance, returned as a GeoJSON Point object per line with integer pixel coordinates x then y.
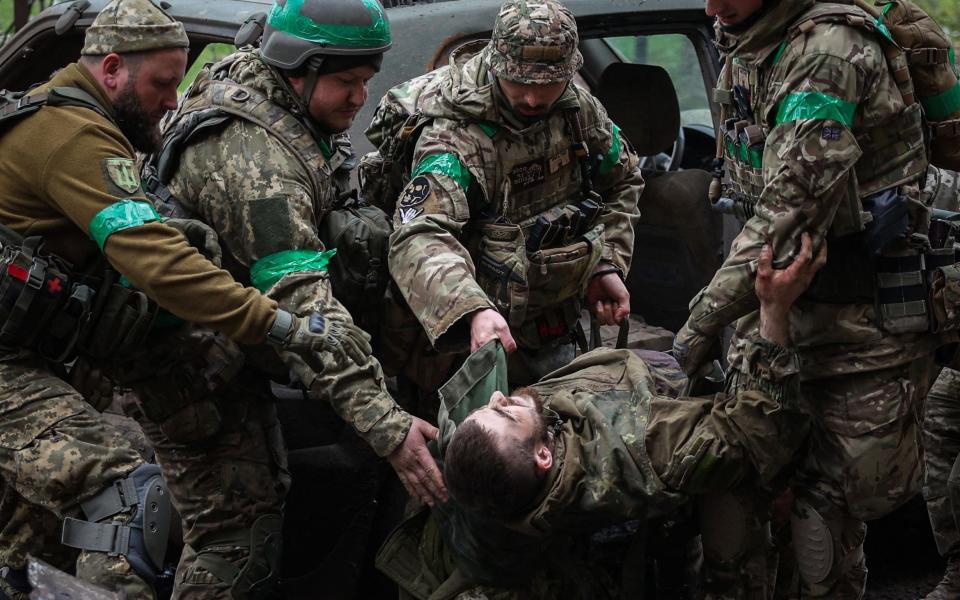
{"type": "Point", "coordinates": [270, 269]}
{"type": "Point", "coordinates": [125, 214]}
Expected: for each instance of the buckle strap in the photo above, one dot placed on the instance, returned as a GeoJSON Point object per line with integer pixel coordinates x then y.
{"type": "Point", "coordinates": [120, 497]}
{"type": "Point", "coordinates": [928, 56]}
{"type": "Point", "coordinates": [111, 538]}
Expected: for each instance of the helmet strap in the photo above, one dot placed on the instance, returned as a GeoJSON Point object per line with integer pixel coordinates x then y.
{"type": "Point", "coordinates": [313, 66]}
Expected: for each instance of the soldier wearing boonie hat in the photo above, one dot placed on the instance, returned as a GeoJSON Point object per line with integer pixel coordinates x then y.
{"type": "Point", "coordinates": [534, 43]}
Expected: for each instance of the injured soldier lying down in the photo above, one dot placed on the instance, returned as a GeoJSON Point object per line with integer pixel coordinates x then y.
{"type": "Point", "coordinates": [596, 443]}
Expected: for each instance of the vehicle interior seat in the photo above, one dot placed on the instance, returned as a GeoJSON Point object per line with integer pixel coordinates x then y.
{"type": "Point", "coordinates": [678, 243]}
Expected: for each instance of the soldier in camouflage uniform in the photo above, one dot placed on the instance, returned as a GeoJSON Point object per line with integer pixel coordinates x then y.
{"type": "Point", "coordinates": [819, 135]}
{"type": "Point", "coordinates": [596, 443]}
{"type": "Point", "coordinates": [78, 193]}
{"type": "Point", "coordinates": [263, 161]}
{"type": "Point", "coordinates": [941, 427]}
{"type": "Point", "coordinates": [522, 199]}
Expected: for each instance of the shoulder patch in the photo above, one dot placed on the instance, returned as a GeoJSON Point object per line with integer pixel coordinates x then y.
{"type": "Point", "coordinates": [415, 192]}
{"type": "Point", "coordinates": [122, 172]}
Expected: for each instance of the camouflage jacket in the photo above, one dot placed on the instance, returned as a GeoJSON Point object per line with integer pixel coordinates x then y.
{"type": "Point", "coordinates": [254, 191]}
{"type": "Point", "coordinates": [830, 127]}
{"type": "Point", "coordinates": [625, 447]}
{"type": "Point", "coordinates": [475, 164]}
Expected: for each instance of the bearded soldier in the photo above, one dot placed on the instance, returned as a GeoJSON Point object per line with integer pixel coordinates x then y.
{"type": "Point", "coordinates": [79, 241]}
{"type": "Point", "coordinates": [821, 132]}
{"type": "Point", "coordinates": [522, 198]}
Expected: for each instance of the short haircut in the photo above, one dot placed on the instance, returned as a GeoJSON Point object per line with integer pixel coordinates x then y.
{"type": "Point", "coordinates": [497, 479]}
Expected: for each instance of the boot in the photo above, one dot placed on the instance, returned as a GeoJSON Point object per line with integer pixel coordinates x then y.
{"type": "Point", "coordinates": [949, 586]}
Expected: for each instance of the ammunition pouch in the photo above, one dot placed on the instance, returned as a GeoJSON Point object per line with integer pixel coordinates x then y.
{"type": "Point", "coordinates": [540, 293]}
{"type": "Point", "coordinates": [945, 144]}
{"type": "Point", "coordinates": [47, 309]}
{"type": "Point", "coordinates": [902, 293]}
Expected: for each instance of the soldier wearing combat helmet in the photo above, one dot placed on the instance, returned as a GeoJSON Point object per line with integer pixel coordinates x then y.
{"type": "Point", "coordinates": [517, 167]}
{"type": "Point", "coordinates": [86, 261]}
{"type": "Point", "coordinates": [270, 123]}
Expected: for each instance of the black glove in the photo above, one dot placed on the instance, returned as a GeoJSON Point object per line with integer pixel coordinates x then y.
{"type": "Point", "coordinates": [201, 236]}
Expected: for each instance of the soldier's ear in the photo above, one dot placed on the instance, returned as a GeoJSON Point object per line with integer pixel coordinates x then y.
{"type": "Point", "coordinates": [543, 456]}
{"type": "Point", "coordinates": [111, 68]}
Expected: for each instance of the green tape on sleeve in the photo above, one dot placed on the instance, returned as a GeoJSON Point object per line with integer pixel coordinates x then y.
{"type": "Point", "coordinates": [816, 106]}
{"type": "Point", "coordinates": [613, 154]}
{"type": "Point", "coordinates": [942, 106]}
{"type": "Point", "coordinates": [125, 214]}
{"type": "Point", "coordinates": [445, 164]}
{"type": "Point", "coordinates": [270, 269]}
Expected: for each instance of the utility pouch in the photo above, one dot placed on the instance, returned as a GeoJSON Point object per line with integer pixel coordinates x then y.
{"type": "Point", "coordinates": [121, 324]}
{"type": "Point", "coordinates": [502, 269]}
{"type": "Point", "coordinates": [945, 298]}
{"type": "Point", "coordinates": [558, 275]}
{"type": "Point", "coordinates": [902, 293]}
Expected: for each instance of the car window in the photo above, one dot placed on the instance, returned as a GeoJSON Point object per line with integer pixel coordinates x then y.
{"type": "Point", "coordinates": [677, 54]}
{"type": "Point", "coordinates": [211, 53]}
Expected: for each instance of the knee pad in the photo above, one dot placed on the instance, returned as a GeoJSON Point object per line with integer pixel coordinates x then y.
{"type": "Point", "coordinates": [142, 537]}
{"type": "Point", "coordinates": [259, 575]}
{"type": "Point", "coordinates": [813, 543]}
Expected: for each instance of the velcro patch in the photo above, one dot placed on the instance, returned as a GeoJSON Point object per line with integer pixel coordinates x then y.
{"type": "Point", "coordinates": [528, 174]}
{"type": "Point", "coordinates": [415, 192]}
{"type": "Point", "coordinates": [831, 133]}
{"type": "Point", "coordinates": [122, 172]}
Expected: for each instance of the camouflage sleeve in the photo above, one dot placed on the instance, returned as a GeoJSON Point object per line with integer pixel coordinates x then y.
{"type": "Point", "coordinates": [809, 154]}
{"type": "Point", "coordinates": [620, 184]}
{"type": "Point", "coordinates": [431, 267]}
{"type": "Point", "coordinates": [260, 203]}
{"type": "Point", "coordinates": [703, 445]}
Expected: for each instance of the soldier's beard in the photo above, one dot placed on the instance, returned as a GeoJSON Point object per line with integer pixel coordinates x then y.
{"type": "Point", "coordinates": [135, 123]}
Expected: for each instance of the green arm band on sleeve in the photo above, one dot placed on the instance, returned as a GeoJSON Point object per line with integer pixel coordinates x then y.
{"type": "Point", "coordinates": [286, 17]}
{"type": "Point", "coordinates": [613, 154]}
{"type": "Point", "coordinates": [943, 105]}
{"type": "Point", "coordinates": [125, 214]}
{"type": "Point", "coordinates": [445, 164]}
{"type": "Point", "coordinates": [817, 106]}
{"type": "Point", "coordinates": [270, 269]}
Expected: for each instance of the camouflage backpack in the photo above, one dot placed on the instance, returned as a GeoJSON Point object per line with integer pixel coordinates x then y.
{"type": "Point", "coordinates": [396, 125]}
{"type": "Point", "coordinates": [922, 61]}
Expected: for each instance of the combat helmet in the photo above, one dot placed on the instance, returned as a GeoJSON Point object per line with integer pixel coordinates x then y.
{"type": "Point", "coordinates": [534, 41]}
{"type": "Point", "coordinates": [305, 33]}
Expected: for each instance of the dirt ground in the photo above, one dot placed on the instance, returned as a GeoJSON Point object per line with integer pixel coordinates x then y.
{"type": "Point", "coordinates": [901, 555]}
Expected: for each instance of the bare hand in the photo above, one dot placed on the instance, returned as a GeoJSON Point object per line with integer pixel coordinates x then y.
{"type": "Point", "coordinates": [608, 298]}
{"type": "Point", "coordinates": [415, 465]}
{"type": "Point", "coordinates": [489, 324]}
{"type": "Point", "coordinates": [778, 289]}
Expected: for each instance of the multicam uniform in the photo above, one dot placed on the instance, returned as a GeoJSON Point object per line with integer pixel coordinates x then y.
{"type": "Point", "coordinates": [816, 130]}
{"type": "Point", "coordinates": [467, 235]}
{"type": "Point", "coordinates": [625, 448]}
{"type": "Point", "coordinates": [79, 190]}
{"type": "Point", "coordinates": [215, 430]}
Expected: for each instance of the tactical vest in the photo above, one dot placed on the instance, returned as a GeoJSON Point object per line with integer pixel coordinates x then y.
{"type": "Point", "coordinates": [46, 305]}
{"type": "Point", "coordinates": [879, 252]}
{"type": "Point", "coordinates": [358, 232]}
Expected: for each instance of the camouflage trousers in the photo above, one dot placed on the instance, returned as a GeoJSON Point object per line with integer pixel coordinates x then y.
{"type": "Point", "coordinates": [56, 450]}
{"type": "Point", "coordinates": [213, 426]}
{"type": "Point", "coordinates": [941, 442]}
{"type": "Point", "coordinates": [861, 461]}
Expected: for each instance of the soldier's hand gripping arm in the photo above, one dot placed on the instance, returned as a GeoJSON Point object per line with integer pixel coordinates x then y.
{"type": "Point", "coordinates": [430, 265]}
{"type": "Point", "coordinates": [807, 162]}
{"type": "Point", "coordinates": [707, 445]}
{"type": "Point", "coordinates": [620, 185]}
{"type": "Point", "coordinates": [261, 205]}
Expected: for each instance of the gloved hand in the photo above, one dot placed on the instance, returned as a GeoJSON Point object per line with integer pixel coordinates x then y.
{"type": "Point", "coordinates": [201, 236]}
{"type": "Point", "coordinates": [319, 333]}
{"type": "Point", "coordinates": [694, 350]}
